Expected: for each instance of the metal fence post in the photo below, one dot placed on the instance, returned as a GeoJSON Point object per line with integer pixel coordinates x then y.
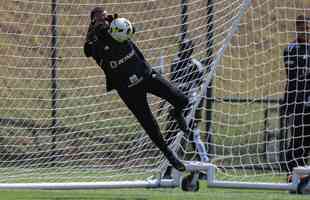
{"type": "Point", "coordinates": [54, 75]}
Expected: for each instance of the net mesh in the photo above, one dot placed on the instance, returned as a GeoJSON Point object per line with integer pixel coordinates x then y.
{"type": "Point", "coordinates": [79, 132]}
{"type": "Point", "coordinates": [251, 139]}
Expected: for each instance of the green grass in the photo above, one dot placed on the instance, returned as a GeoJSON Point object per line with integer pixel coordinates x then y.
{"type": "Point", "coordinates": [157, 194]}
{"type": "Point", "coordinates": [149, 194]}
{"type": "Point", "coordinates": [204, 193]}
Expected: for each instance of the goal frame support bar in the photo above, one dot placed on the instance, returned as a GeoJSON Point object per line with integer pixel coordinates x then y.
{"type": "Point", "coordinates": [194, 167]}
{"type": "Point", "coordinates": [156, 183]}
{"type": "Point", "coordinates": [214, 183]}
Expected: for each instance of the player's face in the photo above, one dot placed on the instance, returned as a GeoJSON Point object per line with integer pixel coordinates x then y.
{"type": "Point", "coordinates": [100, 16]}
{"type": "Point", "coordinates": [303, 31]}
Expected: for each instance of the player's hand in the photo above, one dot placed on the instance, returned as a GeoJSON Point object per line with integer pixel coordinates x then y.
{"type": "Point", "coordinates": [105, 22]}
{"type": "Point", "coordinates": [110, 18]}
{"type": "Point", "coordinates": [91, 33]}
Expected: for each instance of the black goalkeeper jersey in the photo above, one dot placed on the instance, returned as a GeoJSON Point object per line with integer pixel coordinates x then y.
{"type": "Point", "coordinates": [297, 64]}
{"type": "Point", "coordinates": [123, 63]}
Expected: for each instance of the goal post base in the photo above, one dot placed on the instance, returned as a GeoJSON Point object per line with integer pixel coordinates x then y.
{"type": "Point", "coordinates": [293, 186]}
{"type": "Point", "coordinates": [190, 182]}
{"type": "Point", "coordinates": [156, 183]}
{"type": "Point", "coordinates": [197, 166]}
{"type": "Point", "coordinates": [302, 171]}
{"type": "Point", "coordinates": [300, 183]}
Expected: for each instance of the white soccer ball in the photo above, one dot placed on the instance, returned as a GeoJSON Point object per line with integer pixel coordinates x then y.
{"type": "Point", "coordinates": [121, 29]}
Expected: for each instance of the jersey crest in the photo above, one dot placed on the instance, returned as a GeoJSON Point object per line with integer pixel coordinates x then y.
{"type": "Point", "coordinates": [106, 48]}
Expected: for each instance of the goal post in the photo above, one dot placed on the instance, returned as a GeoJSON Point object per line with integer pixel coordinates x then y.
{"type": "Point", "coordinates": [61, 129]}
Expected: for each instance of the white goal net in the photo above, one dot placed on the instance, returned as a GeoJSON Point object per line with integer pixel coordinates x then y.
{"type": "Point", "coordinates": [58, 123]}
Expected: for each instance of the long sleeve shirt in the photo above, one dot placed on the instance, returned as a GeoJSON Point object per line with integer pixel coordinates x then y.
{"type": "Point", "coordinates": [123, 63]}
{"type": "Point", "coordinates": [297, 65]}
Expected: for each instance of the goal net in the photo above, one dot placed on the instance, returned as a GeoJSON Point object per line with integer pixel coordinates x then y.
{"type": "Point", "coordinates": [251, 138]}
{"type": "Point", "coordinates": [59, 124]}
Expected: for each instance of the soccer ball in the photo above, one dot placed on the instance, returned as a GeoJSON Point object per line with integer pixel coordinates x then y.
{"type": "Point", "coordinates": [121, 29]}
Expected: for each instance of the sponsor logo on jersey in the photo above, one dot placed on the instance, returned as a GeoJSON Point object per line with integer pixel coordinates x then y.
{"type": "Point", "coordinates": [134, 80]}
{"type": "Point", "coordinates": [114, 64]}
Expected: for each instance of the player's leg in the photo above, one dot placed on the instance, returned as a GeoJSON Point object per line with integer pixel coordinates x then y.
{"type": "Point", "coordinates": [160, 87]}
{"type": "Point", "coordinates": [307, 149]}
{"type": "Point", "coordinates": [136, 100]}
{"type": "Point", "coordinates": [172, 126]}
{"type": "Point", "coordinates": [306, 135]}
{"type": "Point", "coordinates": [170, 129]}
{"type": "Point", "coordinates": [295, 155]}
{"type": "Point", "coordinates": [286, 125]}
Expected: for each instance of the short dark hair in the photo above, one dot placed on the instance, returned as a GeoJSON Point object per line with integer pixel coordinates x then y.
{"type": "Point", "coordinates": [302, 19]}
{"type": "Point", "coordinates": [94, 11]}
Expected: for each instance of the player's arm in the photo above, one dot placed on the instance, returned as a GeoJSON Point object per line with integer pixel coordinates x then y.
{"type": "Point", "coordinates": [291, 64]}
{"type": "Point", "coordinates": [137, 50]}
{"type": "Point", "coordinates": [98, 28]}
{"type": "Point", "coordinates": [90, 40]}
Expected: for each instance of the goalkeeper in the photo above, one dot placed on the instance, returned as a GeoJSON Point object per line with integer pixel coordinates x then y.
{"type": "Point", "coordinates": [133, 78]}
{"type": "Point", "coordinates": [296, 107]}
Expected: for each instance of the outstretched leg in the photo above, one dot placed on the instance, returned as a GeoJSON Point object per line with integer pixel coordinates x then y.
{"type": "Point", "coordinates": [136, 101]}
{"type": "Point", "coordinates": [160, 87]}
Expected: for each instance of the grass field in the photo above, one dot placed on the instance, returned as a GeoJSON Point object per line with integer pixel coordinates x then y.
{"type": "Point", "coordinates": [204, 193]}
{"type": "Point", "coordinates": [150, 194]}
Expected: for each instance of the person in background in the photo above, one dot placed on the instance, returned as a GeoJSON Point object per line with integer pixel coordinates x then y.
{"type": "Point", "coordinates": [296, 104]}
